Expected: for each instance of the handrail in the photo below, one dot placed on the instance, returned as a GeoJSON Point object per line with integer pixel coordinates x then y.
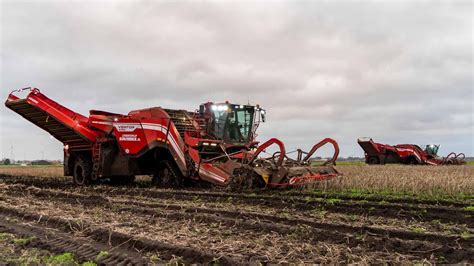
{"type": "Point", "coordinates": [13, 97]}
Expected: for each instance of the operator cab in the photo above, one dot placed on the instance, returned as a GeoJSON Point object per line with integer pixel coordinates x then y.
{"type": "Point", "coordinates": [432, 149]}
{"type": "Point", "coordinates": [232, 123]}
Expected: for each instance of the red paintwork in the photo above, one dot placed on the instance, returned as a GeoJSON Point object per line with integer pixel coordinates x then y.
{"type": "Point", "coordinates": [135, 133]}
{"type": "Point", "coordinates": [140, 131]}
{"type": "Point", "coordinates": [319, 145]}
{"type": "Point", "coordinates": [404, 153]}
{"type": "Point", "coordinates": [282, 152]}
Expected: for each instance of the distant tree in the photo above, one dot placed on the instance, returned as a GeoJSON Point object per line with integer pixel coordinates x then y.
{"type": "Point", "coordinates": [7, 162]}
{"type": "Point", "coordinates": [41, 162]}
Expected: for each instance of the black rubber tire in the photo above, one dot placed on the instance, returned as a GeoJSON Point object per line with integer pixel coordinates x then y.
{"type": "Point", "coordinates": [373, 160]}
{"type": "Point", "coordinates": [168, 176]}
{"type": "Point", "coordinates": [412, 161]}
{"type": "Point", "coordinates": [82, 171]}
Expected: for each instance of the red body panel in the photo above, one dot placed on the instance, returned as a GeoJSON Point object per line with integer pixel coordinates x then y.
{"type": "Point", "coordinates": [149, 140]}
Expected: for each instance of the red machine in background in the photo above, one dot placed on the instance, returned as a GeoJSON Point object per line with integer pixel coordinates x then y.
{"type": "Point", "coordinates": [215, 144]}
{"type": "Point", "coordinates": [376, 153]}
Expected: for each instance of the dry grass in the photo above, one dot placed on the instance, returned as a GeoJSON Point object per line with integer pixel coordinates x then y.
{"type": "Point", "coordinates": [415, 180]}
{"type": "Point", "coordinates": [49, 171]}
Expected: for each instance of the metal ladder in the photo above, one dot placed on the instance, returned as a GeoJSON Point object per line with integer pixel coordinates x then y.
{"type": "Point", "coordinates": [96, 158]}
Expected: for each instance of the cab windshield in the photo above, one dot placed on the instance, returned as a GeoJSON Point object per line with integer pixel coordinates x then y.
{"type": "Point", "coordinates": [432, 149]}
{"type": "Point", "coordinates": [233, 123]}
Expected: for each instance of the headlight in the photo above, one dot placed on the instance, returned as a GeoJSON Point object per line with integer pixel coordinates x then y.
{"type": "Point", "coordinates": [222, 107]}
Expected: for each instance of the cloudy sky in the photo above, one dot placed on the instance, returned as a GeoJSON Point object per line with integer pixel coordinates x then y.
{"type": "Point", "coordinates": [400, 72]}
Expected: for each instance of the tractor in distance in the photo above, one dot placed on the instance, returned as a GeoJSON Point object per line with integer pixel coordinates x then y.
{"type": "Point", "coordinates": [216, 144]}
{"type": "Point", "coordinates": [377, 153]}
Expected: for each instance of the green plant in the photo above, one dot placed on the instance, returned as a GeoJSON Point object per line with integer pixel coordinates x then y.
{"type": "Point", "coordinates": [360, 237]}
{"type": "Point", "coordinates": [4, 236]}
{"type": "Point", "coordinates": [23, 241]}
{"type": "Point", "coordinates": [155, 258]}
{"type": "Point", "coordinates": [353, 217]}
{"type": "Point", "coordinates": [419, 230]}
{"type": "Point", "coordinates": [61, 259]}
{"type": "Point", "coordinates": [466, 234]}
{"type": "Point", "coordinates": [469, 208]}
{"type": "Point", "coordinates": [333, 201]}
{"type": "Point", "coordinates": [101, 255]}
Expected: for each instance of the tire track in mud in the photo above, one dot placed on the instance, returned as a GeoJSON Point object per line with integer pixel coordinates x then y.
{"type": "Point", "coordinates": [370, 238]}
{"type": "Point", "coordinates": [106, 236]}
{"type": "Point", "coordinates": [398, 211]}
{"type": "Point", "coordinates": [84, 250]}
{"type": "Point", "coordinates": [63, 183]}
{"type": "Point", "coordinates": [373, 198]}
{"type": "Point", "coordinates": [95, 199]}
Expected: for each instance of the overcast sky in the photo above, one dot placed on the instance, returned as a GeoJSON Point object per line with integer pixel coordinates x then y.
{"type": "Point", "coordinates": [397, 72]}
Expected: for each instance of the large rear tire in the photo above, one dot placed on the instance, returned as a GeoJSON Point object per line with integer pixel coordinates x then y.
{"type": "Point", "coordinates": [168, 176]}
{"type": "Point", "coordinates": [82, 171]}
{"type": "Point", "coordinates": [373, 160]}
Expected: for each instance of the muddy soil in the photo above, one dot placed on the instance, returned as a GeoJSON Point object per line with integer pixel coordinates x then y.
{"type": "Point", "coordinates": [140, 224]}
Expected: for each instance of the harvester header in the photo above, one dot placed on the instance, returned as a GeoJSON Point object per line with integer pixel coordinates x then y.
{"type": "Point", "coordinates": [215, 144]}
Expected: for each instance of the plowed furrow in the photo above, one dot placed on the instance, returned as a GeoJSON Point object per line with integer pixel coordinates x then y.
{"type": "Point", "coordinates": [92, 200]}
{"type": "Point", "coordinates": [372, 239]}
{"type": "Point", "coordinates": [107, 236]}
{"type": "Point", "coordinates": [371, 198]}
{"type": "Point", "coordinates": [398, 211]}
{"type": "Point", "coordinates": [65, 183]}
{"type": "Point", "coordinates": [451, 250]}
{"type": "Point", "coordinates": [83, 249]}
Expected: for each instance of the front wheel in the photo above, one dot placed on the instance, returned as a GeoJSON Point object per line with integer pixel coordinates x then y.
{"type": "Point", "coordinates": [82, 171]}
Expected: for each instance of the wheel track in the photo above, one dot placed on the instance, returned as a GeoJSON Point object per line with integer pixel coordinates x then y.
{"type": "Point", "coordinates": [94, 199]}
{"type": "Point", "coordinates": [374, 198]}
{"type": "Point", "coordinates": [55, 183]}
{"type": "Point", "coordinates": [398, 211]}
{"type": "Point", "coordinates": [84, 250]}
{"type": "Point", "coordinates": [106, 236]}
{"type": "Point", "coordinates": [407, 212]}
{"type": "Point", "coordinates": [378, 243]}
{"type": "Point", "coordinates": [380, 239]}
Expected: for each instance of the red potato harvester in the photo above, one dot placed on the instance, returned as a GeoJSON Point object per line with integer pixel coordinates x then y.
{"type": "Point", "coordinates": [214, 144]}
{"type": "Point", "coordinates": [377, 153]}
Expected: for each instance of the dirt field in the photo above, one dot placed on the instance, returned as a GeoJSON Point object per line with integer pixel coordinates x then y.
{"type": "Point", "coordinates": [372, 214]}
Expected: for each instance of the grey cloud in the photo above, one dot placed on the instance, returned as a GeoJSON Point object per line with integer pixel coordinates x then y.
{"type": "Point", "coordinates": [400, 72]}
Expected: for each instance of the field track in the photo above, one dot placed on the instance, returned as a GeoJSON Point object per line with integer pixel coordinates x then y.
{"type": "Point", "coordinates": [136, 223]}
